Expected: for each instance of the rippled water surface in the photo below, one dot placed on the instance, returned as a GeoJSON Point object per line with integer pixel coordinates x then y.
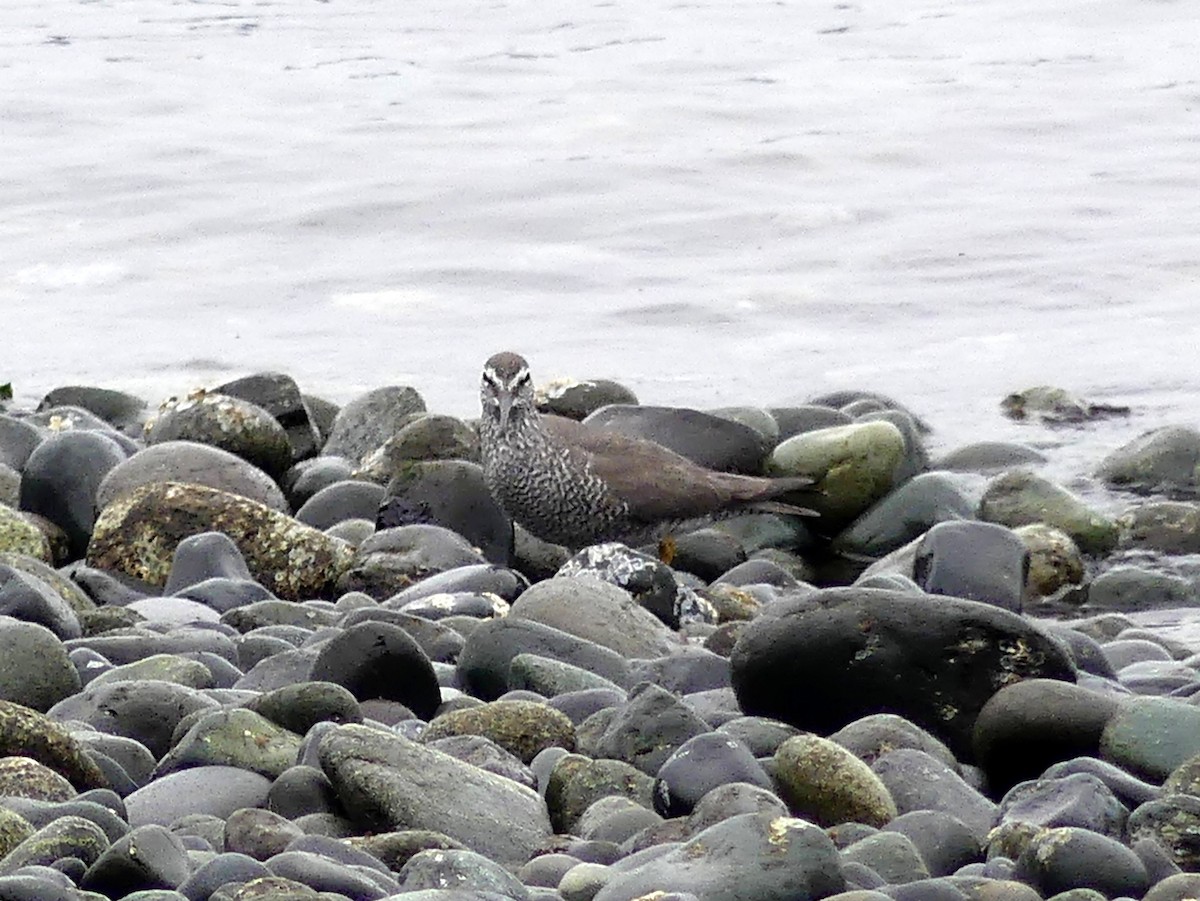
{"type": "Point", "coordinates": [724, 201]}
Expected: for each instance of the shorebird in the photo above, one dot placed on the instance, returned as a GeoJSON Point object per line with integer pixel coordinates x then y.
{"type": "Point", "coordinates": [573, 485]}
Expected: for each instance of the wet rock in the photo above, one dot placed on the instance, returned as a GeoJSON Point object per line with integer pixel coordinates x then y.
{"type": "Point", "coordinates": [371, 419]}
{"type": "Point", "coordinates": [823, 782]}
{"type": "Point", "coordinates": [1028, 726]}
{"type": "Point", "coordinates": [1165, 459]}
{"type": "Point", "coordinates": [1151, 736]}
{"type": "Point", "coordinates": [1055, 405]}
{"type": "Point", "coordinates": [236, 737]}
{"type": "Point", "coordinates": [386, 782]}
{"type": "Point", "coordinates": [213, 790]}
{"type": "Point", "coordinates": [752, 856]}
{"type": "Point", "coordinates": [280, 396]}
{"type": "Point", "coordinates": [905, 514]}
{"type": "Point", "coordinates": [917, 781]}
{"type": "Point", "coordinates": [27, 733]}
{"type": "Point", "coordinates": [1054, 559]}
{"type": "Point", "coordinates": [61, 478]}
{"type": "Point", "coordinates": [391, 560]}
{"type": "Point", "coordinates": [1132, 588]}
{"type": "Point", "coordinates": [149, 857]}
{"type": "Point", "coordinates": [523, 728]}
{"type": "Point", "coordinates": [700, 765]}
{"type": "Point", "coordinates": [228, 423]}
{"type": "Point", "coordinates": [1169, 527]}
{"type": "Point", "coordinates": [1066, 858]}
{"type": "Point", "coordinates": [380, 660]}
{"type": "Point", "coordinates": [488, 653]}
{"type": "Point", "coordinates": [853, 465]}
{"type": "Point", "coordinates": [978, 561]}
{"type": "Point", "coordinates": [934, 661]}
{"type": "Point", "coordinates": [1020, 497]}
{"type": "Point", "coordinates": [988, 457]}
{"type": "Point", "coordinates": [138, 534]}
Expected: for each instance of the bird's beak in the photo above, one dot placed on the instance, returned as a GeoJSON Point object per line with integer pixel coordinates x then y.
{"type": "Point", "coordinates": [504, 401]}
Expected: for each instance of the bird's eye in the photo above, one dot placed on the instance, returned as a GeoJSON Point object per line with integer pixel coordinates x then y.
{"type": "Point", "coordinates": [522, 380]}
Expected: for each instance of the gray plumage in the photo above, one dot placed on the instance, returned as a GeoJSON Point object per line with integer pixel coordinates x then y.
{"type": "Point", "coordinates": [573, 485]}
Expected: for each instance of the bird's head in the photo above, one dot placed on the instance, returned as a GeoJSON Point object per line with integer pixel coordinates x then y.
{"type": "Point", "coordinates": [506, 389]}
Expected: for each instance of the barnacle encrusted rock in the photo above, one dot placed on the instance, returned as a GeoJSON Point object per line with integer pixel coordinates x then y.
{"type": "Point", "coordinates": [137, 534]}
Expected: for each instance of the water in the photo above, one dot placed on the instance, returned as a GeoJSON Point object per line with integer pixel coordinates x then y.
{"type": "Point", "coordinates": [716, 202]}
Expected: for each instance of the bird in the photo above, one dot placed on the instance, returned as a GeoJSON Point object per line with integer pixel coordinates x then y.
{"type": "Point", "coordinates": [576, 486]}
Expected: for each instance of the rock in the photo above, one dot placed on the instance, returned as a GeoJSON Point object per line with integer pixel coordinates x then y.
{"type": "Point", "coordinates": [124, 412]}
{"type": "Point", "coordinates": [460, 870]}
{"type": "Point", "coordinates": [259, 834]}
{"type": "Point", "coordinates": [308, 477]}
{"type": "Point", "coordinates": [876, 734]}
{"type": "Point", "coordinates": [451, 494]}
{"type": "Point", "coordinates": [1172, 822]}
{"type": "Point", "coordinates": [35, 670]}
{"type": "Point", "coordinates": [280, 396]}
{"type": "Point", "coordinates": [649, 581]}
{"type": "Point", "coordinates": [826, 784]}
{"type": "Point", "coordinates": [193, 463]}
{"type": "Point", "coordinates": [978, 561]}
{"type": "Point", "coordinates": [149, 857]}
{"type": "Point", "coordinates": [1132, 588]}
{"type": "Point", "coordinates": [26, 733]}
{"type": "Point", "coordinates": [1020, 497]}
{"type": "Point", "coordinates": [371, 419]}
{"type": "Point", "coordinates": [714, 442]}
{"type": "Point", "coordinates": [917, 781]}
{"type": "Point", "coordinates": [905, 514]}
{"type": "Point", "coordinates": [892, 855]}
{"type": "Point", "coordinates": [1168, 527]}
{"type": "Point", "coordinates": [759, 856]}
{"type": "Point", "coordinates": [228, 423]}
{"type": "Point", "coordinates": [577, 399]}
{"type": "Point", "coordinates": [598, 612]}
{"type": "Point", "coordinates": [138, 534]}
{"type": "Point", "coordinates": [1179, 887]}
{"type": "Point", "coordinates": [1054, 559]}
{"type": "Point", "coordinates": [576, 782]}
{"type": "Point", "coordinates": [387, 781]}
{"type": "Point", "coordinates": [61, 478]}
{"type": "Point", "coordinates": [20, 536]}
{"type": "Point", "coordinates": [221, 870]}
{"type": "Point", "coordinates": [989, 456]}
{"type": "Point", "coordinates": [64, 837]}
{"type": "Point", "coordinates": [944, 842]}
{"type": "Point", "coordinates": [204, 556]}
{"type": "Point", "coordinates": [1066, 858]}
{"type": "Point", "coordinates": [236, 737]}
{"type": "Point", "coordinates": [379, 660]}
{"type": "Point", "coordinates": [700, 765]}
{"type": "Point", "coordinates": [23, 777]}
{"type": "Point", "coordinates": [522, 728]}
{"type": "Point", "coordinates": [484, 664]}
{"type": "Point", "coordinates": [299, 707]}
{"type": "Point", "coordinates": [1161, 460]}
{"type": "Point", "coordinates": [645, 730]}
{"type": "Point", "coordinates": [347, 499]}
{"type": "Point", "coordinates": [806, 418]}
{"type": "Point", "coordinates": [145, 711]}
{"type": "Point", "coordinates": [214, 790]}
{"type": "Point", "coordinates": [391, 560]}
{"type": "Point", "coordinates": [934, 661]}
{"type": "Point", "coordinates": [427, 436]}
{"type": "Point", "coordinates": [1151, 736]}
{"type": "Point", "coordinates": [558, 681]}
{"type": "Point", "coordinates": [18, 438]}
{"type": "Point", "coordinates": [1055, 405]}
{"type": "Point", "coordinates": [1028, 726]}
{"type": "Point", "coordinates": [1079, 799]}
{"type": "Point", "coordinates": [853, 465]}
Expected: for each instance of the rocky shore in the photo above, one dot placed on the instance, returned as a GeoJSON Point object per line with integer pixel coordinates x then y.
{"type": "Point", "coordinates": [258, 646]}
